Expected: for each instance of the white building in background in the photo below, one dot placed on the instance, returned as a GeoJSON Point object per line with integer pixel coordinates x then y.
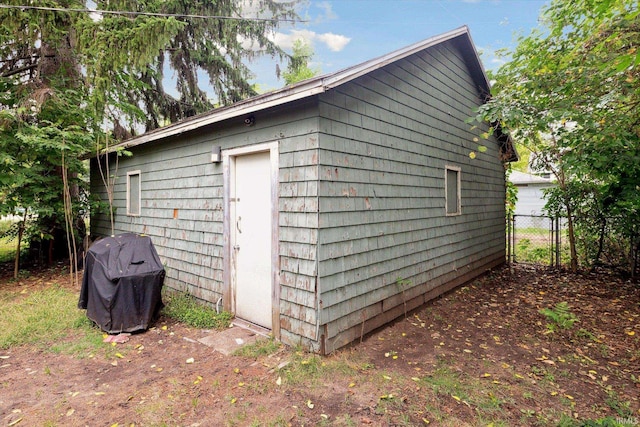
{"type": "Point", "coordinates": [531, 198]}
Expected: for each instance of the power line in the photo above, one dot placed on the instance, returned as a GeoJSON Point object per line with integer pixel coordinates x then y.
{"type": "Point", "coordinates": [161, 15]}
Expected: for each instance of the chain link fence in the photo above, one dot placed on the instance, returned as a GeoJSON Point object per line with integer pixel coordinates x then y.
{"type": "Point", "coordinates": [537, 239]}
{"type": "Point", "coordinates": [540, 239]}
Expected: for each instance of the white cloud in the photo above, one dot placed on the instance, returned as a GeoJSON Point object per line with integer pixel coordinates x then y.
{"type": "Point", "coordinates": [334, 42]}
{"type": "Point", "coordinates": [328, 13]}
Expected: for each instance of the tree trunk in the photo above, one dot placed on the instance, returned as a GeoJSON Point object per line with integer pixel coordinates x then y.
{"type": "Point", "coordinates": [16, 265]}
{"type": "Point", "coordinates": [572, 240]}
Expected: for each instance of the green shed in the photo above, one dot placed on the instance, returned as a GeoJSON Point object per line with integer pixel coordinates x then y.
{"type": "Point", "coordinates": [325, 209]}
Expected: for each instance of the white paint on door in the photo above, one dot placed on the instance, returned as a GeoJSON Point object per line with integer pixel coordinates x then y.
{"type": "Point", "coordinates": [251, 231]}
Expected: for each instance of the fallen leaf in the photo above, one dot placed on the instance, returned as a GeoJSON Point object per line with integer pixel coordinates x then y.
{"type": "Point", "coordinates": [70, 412]}
{"type": "Point", "coordinates": [631, 333]}
{"type": "Point", "coordinates": [279, 381]}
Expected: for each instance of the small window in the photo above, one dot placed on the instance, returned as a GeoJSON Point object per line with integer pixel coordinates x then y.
{"type": "Point", "coordinates": [133, 193]}
{"type": "Point", "coordinates": [452, 190]}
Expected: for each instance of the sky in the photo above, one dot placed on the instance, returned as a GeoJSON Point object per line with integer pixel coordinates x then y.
{"type": "Point", "coordinates": [343, 33]}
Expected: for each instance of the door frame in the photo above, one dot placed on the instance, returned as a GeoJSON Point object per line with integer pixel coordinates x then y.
{"type": "Point", "coordinates": [229, 267]}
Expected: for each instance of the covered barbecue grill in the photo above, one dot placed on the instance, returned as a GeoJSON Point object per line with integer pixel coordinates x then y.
{"type": "Point", "coordinates": [122, 283]}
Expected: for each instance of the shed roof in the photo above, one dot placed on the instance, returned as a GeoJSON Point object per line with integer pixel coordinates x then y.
{"type": "Point", "coordinates": [521, 178]}
{"type": "Point", "coordinates": [315, 86]}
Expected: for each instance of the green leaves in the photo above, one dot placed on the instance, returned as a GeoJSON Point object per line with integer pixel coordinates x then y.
{"type": "Point", "coordinates": [570, 96]}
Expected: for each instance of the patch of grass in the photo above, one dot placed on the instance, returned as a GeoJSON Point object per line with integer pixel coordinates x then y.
{"type": "Point", "coordinates": [186, 309]}
{"type": "Point", "coordinates": [44, 319]}
{"type": "Point", "coordinates": [528, 251]}
{"type": "Point", "coordinates": [623, 409]}
{"type": "Point", "coordinates": [486, 398]}
{"type": "Point", "coordinates": [308, 368]}
{"type": "Point", "coordinates": [262, 347]}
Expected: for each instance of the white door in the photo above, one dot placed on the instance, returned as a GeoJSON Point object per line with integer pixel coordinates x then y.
{"type": "Point", "coordinates": [251, 228]}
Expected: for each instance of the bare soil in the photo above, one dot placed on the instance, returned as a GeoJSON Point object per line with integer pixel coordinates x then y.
{"type": "Point", "coordinates": [488, 336]}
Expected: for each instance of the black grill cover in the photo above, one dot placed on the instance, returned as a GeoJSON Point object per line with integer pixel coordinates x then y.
{"type": "Point", "coordinates": [122, 283]}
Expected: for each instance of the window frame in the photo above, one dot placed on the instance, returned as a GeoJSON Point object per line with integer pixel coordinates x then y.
{"type": "Point", "coordinates": [458, 172]}
{"type": "Point", "coordinates": [137, 173]}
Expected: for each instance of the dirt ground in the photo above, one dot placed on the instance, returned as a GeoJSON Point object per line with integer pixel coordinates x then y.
{"type": "Point", "coordinates": [480, 353]}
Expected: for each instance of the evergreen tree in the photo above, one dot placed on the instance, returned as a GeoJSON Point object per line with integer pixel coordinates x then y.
{"type": "Point", "coordinates": [70, 79]}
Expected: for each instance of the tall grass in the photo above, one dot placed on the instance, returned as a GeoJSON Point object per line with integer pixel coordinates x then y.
{"type": "Point", "coordinates": [44, 319]}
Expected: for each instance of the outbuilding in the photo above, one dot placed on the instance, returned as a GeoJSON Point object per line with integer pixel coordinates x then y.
{"type": "Point", "coordinates": [531, 196]}
{"type": "Point", "coordinates": [325, 209]}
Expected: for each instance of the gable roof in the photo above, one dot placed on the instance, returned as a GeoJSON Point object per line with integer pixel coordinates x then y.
{"type": "Point", "coordinates": [316, 85]}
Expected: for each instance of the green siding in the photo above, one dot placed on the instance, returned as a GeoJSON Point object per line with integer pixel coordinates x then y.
{"type": "Point", "coordinates": [361, 198]}
{"type": "Point", "coordinates": [385, 140]}
{"type": "Point", "coordinates": [177, 174]}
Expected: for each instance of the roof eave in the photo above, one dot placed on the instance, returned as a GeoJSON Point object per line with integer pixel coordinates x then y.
{"type": "Point", "coordinates": [304, 89]}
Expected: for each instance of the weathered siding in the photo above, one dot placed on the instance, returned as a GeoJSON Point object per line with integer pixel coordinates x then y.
{"type": "Point", "coordinates": [385, 139]}
{"type": "Point", "coordinates": [362, 231]}
{"type": "Point", "coordinates": [298, 231]}
{"type": "Point", "coordinates": [177, 174]}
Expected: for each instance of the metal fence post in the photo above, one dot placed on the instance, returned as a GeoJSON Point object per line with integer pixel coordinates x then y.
{"type": "Point", "coordinates": [508, 239]}
{"type": "Point", "coordinates": [557, 219]}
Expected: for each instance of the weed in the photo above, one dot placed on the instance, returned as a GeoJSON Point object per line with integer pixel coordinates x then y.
{"type": "Point", "coordinates": [583, 333]}
{"type": "Point", "coordinates": [528, 413]}
{"type": "Point", "coordinates": [185, 308]}
{"type": "Point", "coordinates": [623, 409]}
{"type": "Point", "coordinates": [560, 317]}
